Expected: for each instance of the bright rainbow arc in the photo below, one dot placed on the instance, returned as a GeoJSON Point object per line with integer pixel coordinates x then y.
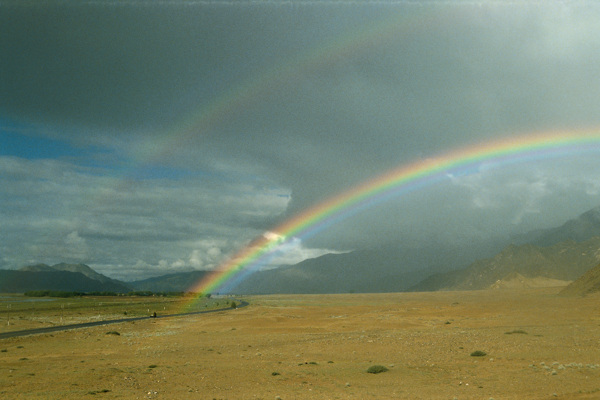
{"type": "Point", "coordinates": [399, 180]}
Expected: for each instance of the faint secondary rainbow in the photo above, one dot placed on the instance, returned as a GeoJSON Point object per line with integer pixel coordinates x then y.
{"type": "Point", "coordinates": [255, 87]}
{"type": "Point", "coordinates": [402, 179]}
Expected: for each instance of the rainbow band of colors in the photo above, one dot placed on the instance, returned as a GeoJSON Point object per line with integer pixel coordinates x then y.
{"type": "Point", "coordinates": [399, 180]}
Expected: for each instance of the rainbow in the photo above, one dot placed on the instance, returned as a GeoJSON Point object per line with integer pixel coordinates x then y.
{"type": "Point", "coordinates": [249, 91]}
{"type": "Point", "coordinates": [405, 178]}
{"type": "Point", "coordinates": [400, 21]}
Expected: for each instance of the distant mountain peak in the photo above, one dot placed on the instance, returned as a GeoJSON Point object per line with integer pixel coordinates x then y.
{"type": "Point", "coordinates": [75, 268]}
{"type": "Point", "coordinates": [526, 266]}
{"type": "Point", "coordinates": [98, 282]}
{"type": "Point", "coordinates": [578, 229]}
{"type": "Point", "coordinates": [37, 268]}
{"type": "Point", "coordinates": [592, 215]}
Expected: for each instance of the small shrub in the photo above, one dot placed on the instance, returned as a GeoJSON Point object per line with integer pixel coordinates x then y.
{"type": "Point", "coordinates": [152, 366]}
{"type": "Point", "coordinates": [478, 353]}
{"type": "Point", "coordinates": [233, 304]}
{"type": "Point", "coordinates": [521, 331]}
{"type": "Point", "coordinates": [98, 391]}
{"type": "Point", "coordinates": [377, 369]}
{"type": "Point", "coordinates": [113, 333]}
{"type": "Point", "coordinates": [3, 350]}
{"type": "Point", "coordinates": [275, 373]}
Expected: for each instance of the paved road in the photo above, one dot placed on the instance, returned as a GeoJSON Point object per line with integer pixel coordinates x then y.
{"type": "Point", "coordinates": [57, 328]}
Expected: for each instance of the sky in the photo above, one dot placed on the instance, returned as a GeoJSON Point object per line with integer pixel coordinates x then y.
{"type": "Point", "coordinates": [145, 138]}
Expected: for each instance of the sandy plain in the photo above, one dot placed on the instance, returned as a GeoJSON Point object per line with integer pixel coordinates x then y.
{"type": "Point", "coordinates": [539, 346]}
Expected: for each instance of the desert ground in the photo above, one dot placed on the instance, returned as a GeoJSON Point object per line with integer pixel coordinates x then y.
{"type": "Point", "coordinates": [538, 345]}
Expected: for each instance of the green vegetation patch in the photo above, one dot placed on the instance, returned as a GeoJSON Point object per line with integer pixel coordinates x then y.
{"type": "Point", "coordinates": [99, 391]}
{"type": "Point", "coordinates": [478, 353]}
{"type": "Point", "coordinates": [67, 294]}
{"type": "Point", "coordinates": [518, 331]}
{"type": "Point", "coordinates": [377, 369]}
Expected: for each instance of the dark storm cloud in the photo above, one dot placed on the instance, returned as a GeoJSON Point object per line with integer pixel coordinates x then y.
{"type": "Point", "coordinates": [139, 65]}
{"type": "Point", "coordinates": [106, 66]}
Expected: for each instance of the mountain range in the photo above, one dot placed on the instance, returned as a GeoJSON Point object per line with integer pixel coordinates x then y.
{"type": "Point", "coordinates": [554, 256]}
{"type": "Point", "coordinates": [385, 269]}
{"type": "Point", "coordinates": [62, 277]}
{"type": "Point", "coordinates": [178, 282]}
{"type": "Point", "coordinates": [546, 257]}
{"type": "Point", "coordinates": [579, 229]}
{"type": "Point", "coordinates": [564, 261]}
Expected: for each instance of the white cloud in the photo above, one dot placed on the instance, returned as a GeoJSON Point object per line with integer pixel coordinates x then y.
{"type": "Point", "coordinates": [520, 191]}
{"type": "Point", "coordinates": [292, 251]}
{"type": "Point", "coordinates": [54, 211]}
{"type": "Point", "coordinates": [592, 187]}
{"type": "Point", "coordinates": [75, 247]}
{"type": "Point", "coordinates": [565, 31]}
{"type": "Point", "coordinates": [74, 239]}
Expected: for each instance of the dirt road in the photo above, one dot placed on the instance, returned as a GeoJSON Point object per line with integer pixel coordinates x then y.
{"type": "Point", "coordinates": [58, 328]}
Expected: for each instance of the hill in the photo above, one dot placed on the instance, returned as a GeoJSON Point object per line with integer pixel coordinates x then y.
{"type": "Point", "coordinates": [85, 270]}
{"type": "Point", "coordinates": [330, 273]}
{"type": "Point", "coordinates": [518, 281]}
{"type": "Point", "coordinates": [588, 283]}
{"type": "Point", "coordinates": [80, 268]}
{"type": "Point", "coordinates": [179, 282]}
{"type": "Point", "coordinates": [37, 268]}
{"type": "Point", "coordinates": [546, 257]}
{"type": "Point", "coordinates": [22, 281]}
{"type": "Point", "coordinates": [64, 277]}
{"type": "Point", "coordinates": [385, 269]}
{"type": "Point", "coordinates": [565, 261]}
{"type": "Point", "coordinates": [582, 228]}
